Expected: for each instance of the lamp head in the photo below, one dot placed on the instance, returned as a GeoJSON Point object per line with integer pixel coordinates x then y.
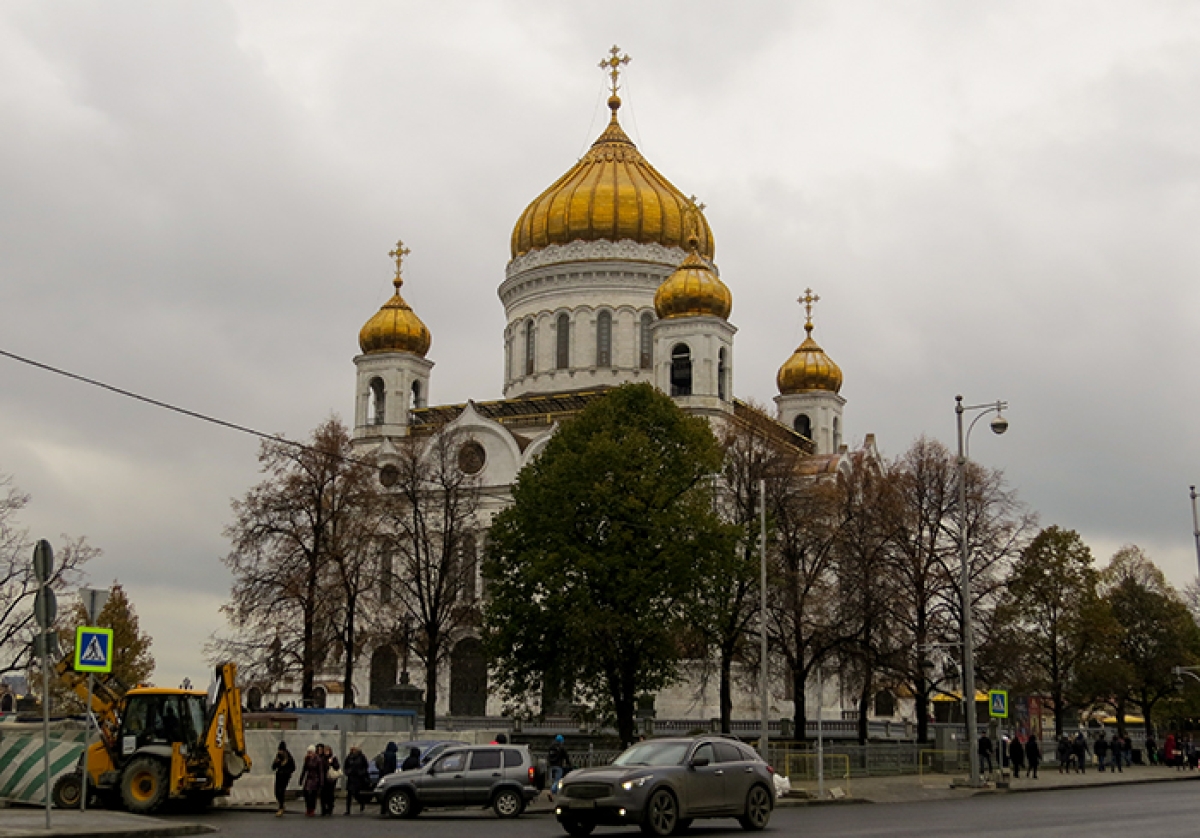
{"type": "Point", "coordinates": [999, 424]}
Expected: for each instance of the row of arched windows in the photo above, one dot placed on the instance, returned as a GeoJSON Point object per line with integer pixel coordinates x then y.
{"type": "Point", "coordinates": [604, 342]}
{"type": "Point", "coordinates": [377, 407]}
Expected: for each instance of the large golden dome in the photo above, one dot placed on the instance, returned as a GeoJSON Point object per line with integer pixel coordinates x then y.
{"type": "Point", "coordinates": [611, 194]}
{"type": "Point", "coordinates": [395, 327]}
{"type": "Point", "coordinates": [809, 368]}
{"type": "Point", "coordinates": [693, 290]}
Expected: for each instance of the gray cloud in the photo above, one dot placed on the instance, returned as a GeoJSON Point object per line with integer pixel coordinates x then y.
{"type": "Point", "coordinates": [197, 200]}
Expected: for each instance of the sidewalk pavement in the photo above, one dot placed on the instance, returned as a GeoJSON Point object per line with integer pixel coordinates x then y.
{"type": "Point", "coordinates": [27, 820]}
{"type": "Point", "coordinates": [912, 788]}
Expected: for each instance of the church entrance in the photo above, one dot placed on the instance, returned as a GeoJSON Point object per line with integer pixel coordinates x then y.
{"type": "Point", "coordinates": [468, 679]}
{"type": "Point", "coordinates": [383, 674]}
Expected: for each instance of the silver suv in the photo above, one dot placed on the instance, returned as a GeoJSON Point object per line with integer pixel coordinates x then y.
{"type": "Point", "coordinates": [500, 776]}
{"type": "Point", "coordinates": [662, 785]}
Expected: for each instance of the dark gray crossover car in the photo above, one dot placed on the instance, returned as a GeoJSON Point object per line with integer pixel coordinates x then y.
{"type": "Point", "coordinates": [500, 776]}
{"type": "Point", "coordinates": [662, 785]}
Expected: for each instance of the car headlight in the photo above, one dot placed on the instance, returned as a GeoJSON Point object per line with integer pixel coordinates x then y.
{"type": "Point", "coordinates": [636, 783]}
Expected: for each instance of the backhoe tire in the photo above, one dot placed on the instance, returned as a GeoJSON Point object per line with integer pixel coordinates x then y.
{"type": "Point", "coordinates": [66, 791]}
{"type": "Point", "coordinates": [145, 785]}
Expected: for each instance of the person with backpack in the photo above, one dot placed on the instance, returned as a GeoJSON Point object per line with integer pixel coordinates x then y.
{"type": "Point", "coordinates": [559, 761]}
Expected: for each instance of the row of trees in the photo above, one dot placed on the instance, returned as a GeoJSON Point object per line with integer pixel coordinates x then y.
{"type": "Point", "coordinates": [630, 556]}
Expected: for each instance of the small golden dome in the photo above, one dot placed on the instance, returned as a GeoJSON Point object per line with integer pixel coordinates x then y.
{"type": "Point", "coordinates": [809, 368]}
{"type": "Point", "coordinates": [611, 194]}
{"type": "Point", "coordinates": [395, 327]}
{"type": "Point", "coordinates": [693, 290]}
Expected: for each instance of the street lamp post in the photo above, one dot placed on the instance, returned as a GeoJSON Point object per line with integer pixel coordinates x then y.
{"type": "Point", "coordinates": [999, 425]}
{"type": "Point", "coordinates": [1195, 527]}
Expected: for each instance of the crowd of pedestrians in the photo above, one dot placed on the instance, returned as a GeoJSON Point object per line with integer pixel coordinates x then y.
{"type": "Point", "coordinates": [1074, 753]}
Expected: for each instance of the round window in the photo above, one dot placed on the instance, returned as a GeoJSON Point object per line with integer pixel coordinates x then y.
{"type": "Point", "coordinates": [471, 457]}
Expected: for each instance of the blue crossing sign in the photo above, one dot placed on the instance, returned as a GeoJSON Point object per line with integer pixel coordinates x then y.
{"type": "Point", "coordinates": [998, 704]}
{"type": "Point", "coordinates": [93, 649]}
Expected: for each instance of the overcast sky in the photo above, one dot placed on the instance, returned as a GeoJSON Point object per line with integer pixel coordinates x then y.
{"type": "Point", "coordinates": [197, 201]}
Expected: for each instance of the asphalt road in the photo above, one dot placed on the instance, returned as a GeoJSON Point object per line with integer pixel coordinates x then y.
{"type": "Point", "coordinates": [1145, 810]}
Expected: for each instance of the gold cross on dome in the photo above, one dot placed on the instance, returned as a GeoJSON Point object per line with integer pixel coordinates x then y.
{"type": "Point", "coordinates": [694, 201]}
{"type": "Point", "coordinates": [807, 301]}
{"type": "Point", "coordinates": [612, 66]}
{"type": "Point", "coordinates": [398, 254]}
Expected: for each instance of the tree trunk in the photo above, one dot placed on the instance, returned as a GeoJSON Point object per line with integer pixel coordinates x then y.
{"type": "Point", "coordinates": [626, 723]}
{"type": "Point", "coordinates": [431, 679]}
{"type": "Point", "coordinates": [307, 652]}
{"type": "Point", "coordinates": [1059, 712]}
{"type": "Point", "coordinates": [864, 704]}
{"type": "Point", "coordinates": [922, 711]}
{"type": "Point", "coordinates": [348, 671]}
{"type": "Point", "coordinates": [726, 691]}
{"type": "Point", "coordinates": [800, 703]}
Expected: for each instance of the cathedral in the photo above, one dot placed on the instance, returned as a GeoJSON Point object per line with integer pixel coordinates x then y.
{"type": "Point", "coordinates": [611, 279]}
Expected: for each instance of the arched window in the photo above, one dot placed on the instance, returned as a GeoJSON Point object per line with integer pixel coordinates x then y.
{"type": "Point", "coordinates": [378, 399]}
{"type": "Point", "coordinates": [604, 339]}
{"type": "Point", "coordinates": [385, 577]}
{"type": "Point", "coordinates": [529, 346]}
{"type": "Point", "coordinates": [803, 425]}
{"type": "Point", "coordinates": [837, 434]}
{"type": "Point", "coordinates": [722, 372]}
{"type": "Point", "coordinates": [418, 400]}
{"type": "Point", "coordinates": [645, 342]}
{"type": "Point", "coordinates": [563, 339]}
{"type": "Point", "coordinates": [681, 370]}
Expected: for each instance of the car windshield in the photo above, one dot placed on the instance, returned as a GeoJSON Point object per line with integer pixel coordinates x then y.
{"type": "Point", "coordinates": [653, 753]}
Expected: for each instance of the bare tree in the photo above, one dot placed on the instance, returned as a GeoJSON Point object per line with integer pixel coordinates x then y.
{"type": "Point", "coordinates": [430, 516]}
{"type": "Point", "coordinates": [17, 583]}
{"type": "Point", "coordinates": [299, 541]}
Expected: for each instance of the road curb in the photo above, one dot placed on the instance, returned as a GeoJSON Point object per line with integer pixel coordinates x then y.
{"type": "Point", "coordinates": [117, 832]}
{"type": "Point", "coordinates": [1141, 781]}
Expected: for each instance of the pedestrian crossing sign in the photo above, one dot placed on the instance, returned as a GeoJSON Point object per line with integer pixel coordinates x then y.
{"type": "Point", "coordinates": [998, 704]}
{"type": "Point", "coordinates": [93, 649]}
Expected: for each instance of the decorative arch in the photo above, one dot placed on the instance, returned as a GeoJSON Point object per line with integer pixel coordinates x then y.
{"type": "Point", "coordinates": [604, 339]}
{"type": "Point", "coordinates": [562, 341]}
{"type": "Point", "coordinates": [378, 401]}
{"type": "Point", "coordinates": [530, 345]}
{"type": "Point", "coordinates": [646, 341]}
{"type": "Point", "coordinates": [803, 425]}
{"type": "Point", "coordinates": [384, 666]}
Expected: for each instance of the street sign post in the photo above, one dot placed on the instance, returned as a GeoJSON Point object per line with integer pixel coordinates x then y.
{"type": "Point", "coordinates": [998, 704]}
{"type": "Point", "coordinates": [94, 600]}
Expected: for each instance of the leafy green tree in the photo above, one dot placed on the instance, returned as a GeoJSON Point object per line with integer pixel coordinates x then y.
{"type": "Point", "coordinates": [1155, 631]}
{"type": "Point", "coordinates": [1042, 616]}
{"type": "Point", "coordinates": [606, 545]}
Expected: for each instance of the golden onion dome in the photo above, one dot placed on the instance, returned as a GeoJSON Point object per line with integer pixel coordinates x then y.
{"type": "Point", "coordinates": [395, 327]}
{"type": "Point", "coordinates": [809, 368]}
{"type": "Point", "coordinates": [611, 194]}
{"type": "Point", "coordinates": [694, 289]}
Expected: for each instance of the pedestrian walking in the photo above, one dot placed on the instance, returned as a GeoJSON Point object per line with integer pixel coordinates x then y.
{"type": "Point", "coordinates": [389, 759]}
{"type": "Point", "coordinates": [333, 773]}
{"type": "Point", "coordinates": [1016, 755]}
{"type": "Point", "coordinates": [358, 778]}
{"type": "Point", "coordinates": [413, 760]}
{"type": "Point", "coordinates": [1079, 750]}
{"type": "Point", "coordinates": [985, 753]}
{"type": "Point", "coordinates": [1033, 756]}
{"type": "Point", "coordinates": [1101, 750]}
{"type": "Point", "coordinates": [559, 762]}
{"type": "Point", "coordinates": [1151, 751]}
{"type": "Point", "coordinates": [1117, 753]}
{"type": "Point", "coordinates": [1169, 754]}
{"type": "Point", "coordinates": [1063, 752]}
{"type": "Point", "coordinates": [312, 776]}
{"type": "Point", "coordinates": [284, 767]}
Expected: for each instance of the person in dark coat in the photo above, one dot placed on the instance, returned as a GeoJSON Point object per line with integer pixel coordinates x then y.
{"type": "Point", "coordinates": [1033, 756]}
{"type": "Point", "coordinates": [312, 776]}
{"type": "Point", "coordinates": [284, 767]}
{"type": "Point", "coordinates": [1079, 750]}
{"type": "Point", "coordinates": [1101, 750]}
{"type": "Point", "coordinates": [389, 759]}
{"type": "Point", "coordinates": [985, 753]}
{"type": "Point", "coordinates": [328, 784]}
{"type": "Point", "coordinates": [559, 762]}
{"type": "Point", "coordinates": [1016, 755]}
{"type": "Point", "coordinates": [1063, 752]}
{"type": "Point", "coordinates": [413, 760]}
{"type": "Point", "coordinates": [358, 778]}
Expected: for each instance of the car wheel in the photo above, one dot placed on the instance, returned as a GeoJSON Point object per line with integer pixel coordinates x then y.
{"type": "Point", "coordinates": [662, 813]}
{"type": "Point", "coordinates": [758, 809]}
{"type": "Point", "coordinates": [145, 785]}
{"type": "Point", "coordinates": [578, 827]}
{"type": "Point", "coordinates": [399, 803]}
{"type": "Point", "coordinates": [508, 804]}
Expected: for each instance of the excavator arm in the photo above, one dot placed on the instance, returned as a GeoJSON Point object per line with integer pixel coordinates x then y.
{"type": "Point", "coordinates": [108, 695]}
{"type": "Point", "coordinates": [224, 737]}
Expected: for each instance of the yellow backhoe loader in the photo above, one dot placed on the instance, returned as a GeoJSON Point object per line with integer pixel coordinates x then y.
{"type": "Point", "coordinates": [157, 745]}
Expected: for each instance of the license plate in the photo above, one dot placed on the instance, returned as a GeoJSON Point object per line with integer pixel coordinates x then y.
{"type": "Point", "coordinates": [583, 804]}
